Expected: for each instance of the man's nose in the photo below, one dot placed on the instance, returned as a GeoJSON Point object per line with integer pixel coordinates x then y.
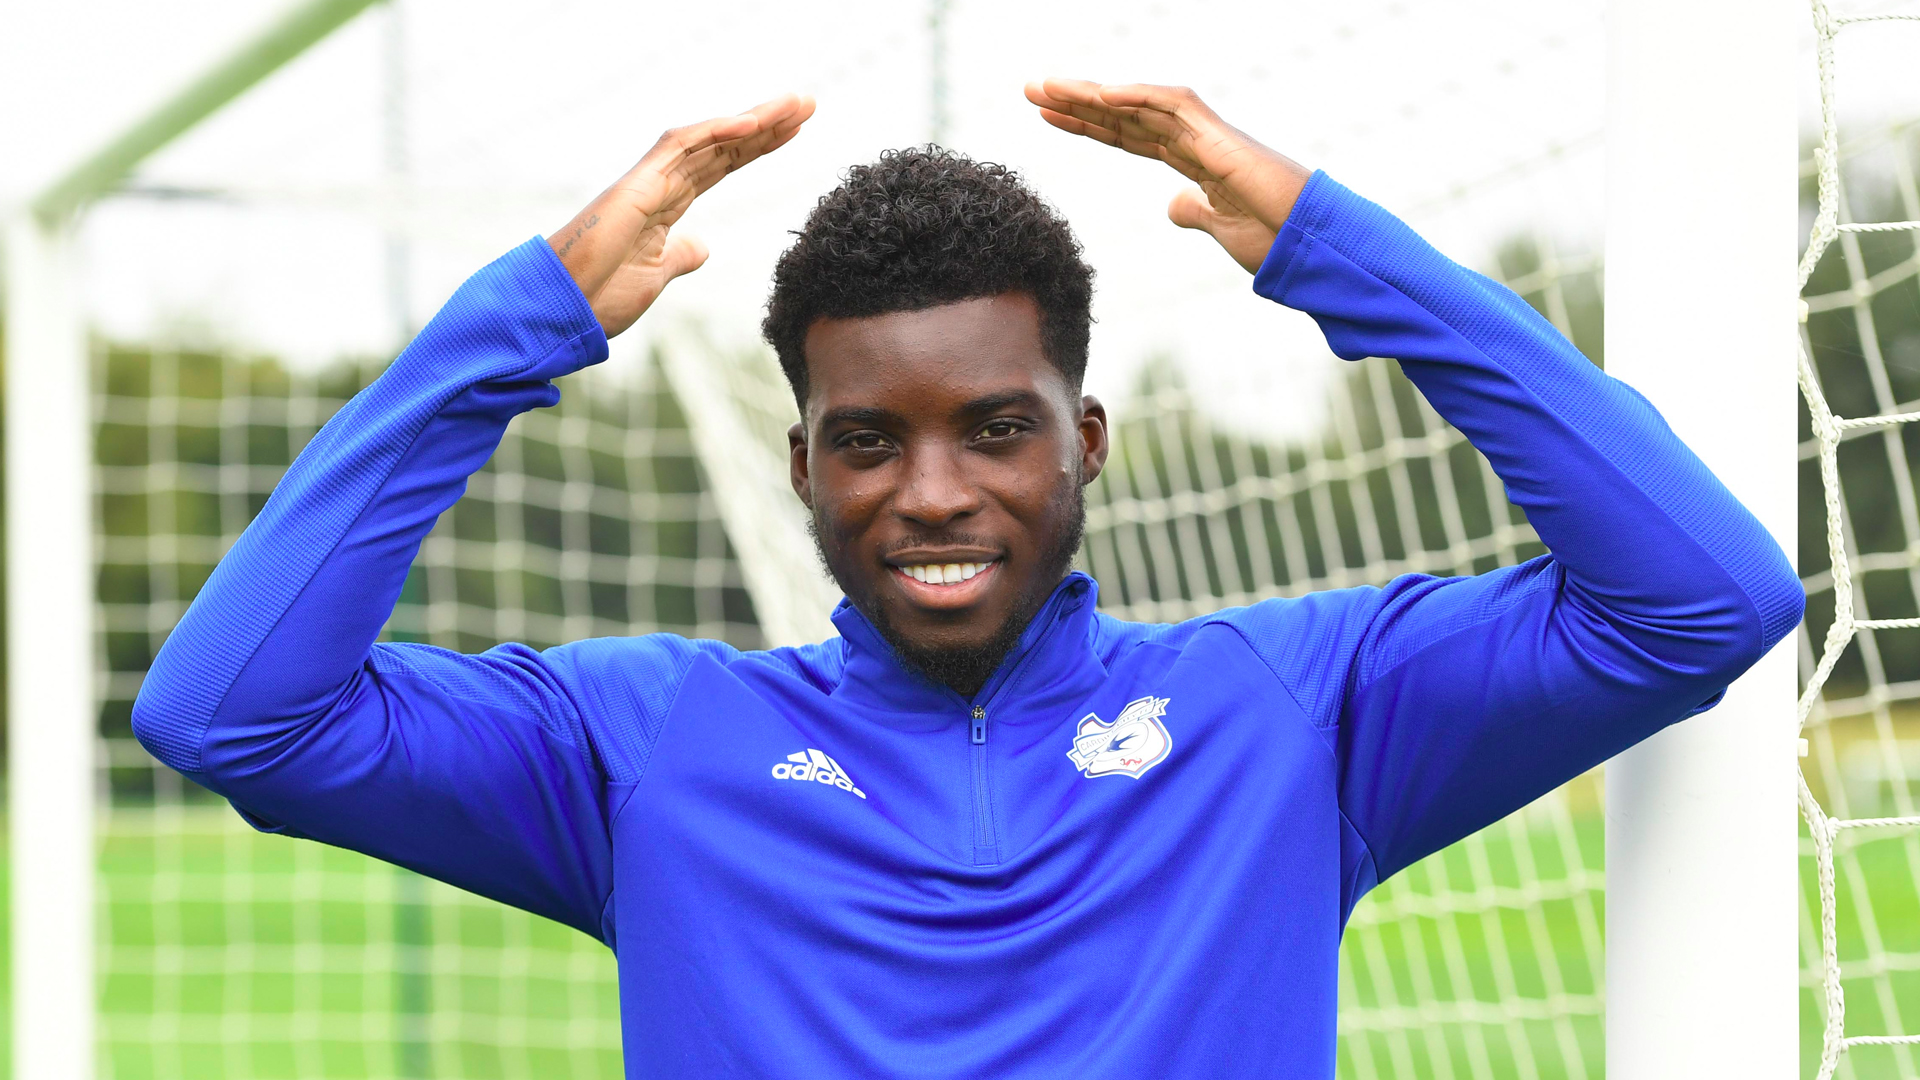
{"type": "Point", "coordinates": [937, 489]}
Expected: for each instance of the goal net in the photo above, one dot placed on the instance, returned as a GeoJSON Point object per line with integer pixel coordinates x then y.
{"type": "Point", "coordinates": [623, 510]}
{"type": "Point", "coordinates": [227, 953]}
{"type": "Point", "coordinates": [1860, 557]}
{"type": "Point", "coordinates": [654, 498]}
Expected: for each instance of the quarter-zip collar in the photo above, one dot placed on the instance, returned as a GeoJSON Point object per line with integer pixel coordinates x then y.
{"type": "Point", "coordinates": [1057, 643]}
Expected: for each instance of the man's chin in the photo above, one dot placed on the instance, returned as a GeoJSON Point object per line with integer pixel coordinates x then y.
{"type": "Point", "coordinates": [917, 636]}
{"type": "Point", "coordinates": [963, 665]}
{"type": "Point", "coordinates": [959, 649]}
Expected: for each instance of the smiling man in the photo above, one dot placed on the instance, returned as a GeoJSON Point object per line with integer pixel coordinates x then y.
{"type": "Point", "coordinates": [987, 830]}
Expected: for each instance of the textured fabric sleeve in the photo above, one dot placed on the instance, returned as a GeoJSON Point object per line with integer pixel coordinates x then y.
{"type": "Point", "coordinates": [1454, 702]}
{"type": "Point", "coordinates": [474, 769]}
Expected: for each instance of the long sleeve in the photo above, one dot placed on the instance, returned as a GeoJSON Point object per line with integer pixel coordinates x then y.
{"type": "Point", "coordinates": [1451, 702]}
{"type": "Point", "coordinates": [473, 769]}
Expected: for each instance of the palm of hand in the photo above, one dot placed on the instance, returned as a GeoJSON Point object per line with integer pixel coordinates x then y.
{"type": "Point", "coordinates": [653, 255]}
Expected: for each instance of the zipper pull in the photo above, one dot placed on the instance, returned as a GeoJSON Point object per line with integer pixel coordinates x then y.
{"type": "Point", "coordinates": [979, 725]}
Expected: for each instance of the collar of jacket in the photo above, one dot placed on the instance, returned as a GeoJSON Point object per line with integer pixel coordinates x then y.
{"type": "Point", "coordinates": [1053, 667]}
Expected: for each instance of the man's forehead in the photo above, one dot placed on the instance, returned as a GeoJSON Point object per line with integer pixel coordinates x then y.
{"type": "Point", "coordinates": [1008, 322]}
{"type": "Point", "coordinates": [885, 413]}
{"type": "Point", "coordinates": [960, 354]}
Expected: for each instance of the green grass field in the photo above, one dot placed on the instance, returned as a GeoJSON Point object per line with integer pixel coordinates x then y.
{"type": "Point", "coordinates": [234, 954]}
{"type": "Point", "coordinates": [229, 954]}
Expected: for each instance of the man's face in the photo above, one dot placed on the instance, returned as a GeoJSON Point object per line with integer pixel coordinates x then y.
{"type": "Point", "coordinates": [942, 439]}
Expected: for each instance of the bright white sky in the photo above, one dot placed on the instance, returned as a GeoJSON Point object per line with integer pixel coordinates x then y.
{"type": "Point", "coordinates": [519, 112]}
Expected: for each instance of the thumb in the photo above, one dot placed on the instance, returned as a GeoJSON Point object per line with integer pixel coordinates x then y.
{"type": "Point", "coordinates": [683, 255]}
{"type": "Point", "coordinates": [1190, 210]}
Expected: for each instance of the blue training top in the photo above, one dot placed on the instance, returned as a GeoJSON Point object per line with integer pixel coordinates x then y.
{"type": "Point", "coordinates": [1134, 858]}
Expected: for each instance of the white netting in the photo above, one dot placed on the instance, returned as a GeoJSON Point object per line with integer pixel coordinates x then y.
{"type": "Point", "coordinates": [232, 954]}
{"type": "Point", "coordinates": [228, 953]}
{"type": "Point", "coordinates": [1860, 355]}
{"type": "Point", "coordinates": [1486, 959]}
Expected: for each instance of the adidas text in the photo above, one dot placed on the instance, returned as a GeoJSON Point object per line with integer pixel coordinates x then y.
{"type": "Point", "coordinates": [813, 766]}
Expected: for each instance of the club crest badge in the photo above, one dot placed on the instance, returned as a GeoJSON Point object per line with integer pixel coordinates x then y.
{"type": "Point", "coordinates": [1129, 746]}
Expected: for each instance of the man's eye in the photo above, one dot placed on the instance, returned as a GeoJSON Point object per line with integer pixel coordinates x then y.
{"type": "Point", "coordinates": [864, 440]}
{"type": "Point", "coordinates": [1000, 429]}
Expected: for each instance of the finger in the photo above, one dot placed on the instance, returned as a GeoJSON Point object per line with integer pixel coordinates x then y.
{"type": "Point", "coordinates": [693, 175]}
{"type": "Point", "coordinates": [1071, 91]}
{"type": "Point", "coordinates": [1167, 111]}
{"type": "Point", "coordinates": [1171, 100]}
{"type": "Point", "coordinates": [1130, 125]}
{"type": "Point", "coordinates": [783, 110]}
{"type": "Point", "coordinates": [781, 139]}
{"type": "Point", "coordinates": [1190, 210]}
{"type": "Point", "coordinates": [694, 138]}
{"type": "Point", "coordinates": [1060, 102]}
{"type": "Point", "coordinates": [1077, 98]}
{"type": "Point", "coordinates": [1073, 125]}
{"type": "Point", "coordinates": [1111, 119]}
{"type": "Point", "coordinates": [1147, 148]}
{"type": "Point", "coordinates": [678, 142]}
{"type": "Point", "coordinates": [685, 178]}
{"type": "Point", "coordinates": [683, 255]}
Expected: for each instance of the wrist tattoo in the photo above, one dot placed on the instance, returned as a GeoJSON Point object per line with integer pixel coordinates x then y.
{"type": "Point", "coordinates": [578, 230]}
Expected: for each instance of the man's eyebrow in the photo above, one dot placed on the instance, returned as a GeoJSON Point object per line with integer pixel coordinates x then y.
{"type": "Point", "coordinates": [859, 414]}
{"type": "Point", "coordinates": [1009, 399]}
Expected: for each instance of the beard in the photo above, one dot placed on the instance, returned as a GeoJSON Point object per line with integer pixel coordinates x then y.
{"type": "Point", "coordinates": [966, 668]}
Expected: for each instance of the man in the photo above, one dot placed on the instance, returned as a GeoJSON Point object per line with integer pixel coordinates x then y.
{"type": "Point", "coordinates": [987, 831]}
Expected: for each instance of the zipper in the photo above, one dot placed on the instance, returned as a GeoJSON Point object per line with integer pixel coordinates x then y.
{"type": "Point", "coordinates": [986, 842]}
{"type": "Point", "coordinates": [986, 837]}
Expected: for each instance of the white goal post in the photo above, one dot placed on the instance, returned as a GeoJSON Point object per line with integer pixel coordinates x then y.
{"type": "Point", "coordinates": [51, 709]}
{"type": "Point", "coordinates": [1702, 156]}
{"type": "Point", "coordinates": [50, 794]}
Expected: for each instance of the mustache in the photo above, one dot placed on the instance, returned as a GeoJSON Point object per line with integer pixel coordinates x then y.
{"type": "Point", "coordinates": [943, 538]}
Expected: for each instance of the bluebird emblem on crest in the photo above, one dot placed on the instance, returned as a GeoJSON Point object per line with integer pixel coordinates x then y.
{"type": "Point", "coordinates": [1129, 746]}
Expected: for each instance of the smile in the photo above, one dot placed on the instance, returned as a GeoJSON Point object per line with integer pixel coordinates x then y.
{"type": "Point", "coordinates": [945, 584]}
{"type": "Point", "coordinates": [946, 573]}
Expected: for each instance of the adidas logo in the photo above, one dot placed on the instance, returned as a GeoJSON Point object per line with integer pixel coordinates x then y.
{"type": "Point", "coordinates": [812, 765]}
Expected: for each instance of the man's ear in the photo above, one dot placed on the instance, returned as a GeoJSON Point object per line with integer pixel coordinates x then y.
{"type": "Point", "coordinates": [797, 463]}
{"type": "Point", "coordinates": [1093, 438]}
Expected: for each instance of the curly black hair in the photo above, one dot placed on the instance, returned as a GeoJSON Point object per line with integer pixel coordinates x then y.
{"type": "Point", "coordinates": [922, 227]}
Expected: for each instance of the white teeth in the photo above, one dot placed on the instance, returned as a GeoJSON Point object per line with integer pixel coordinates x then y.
{"type": "Point", "coordinates": [945, 573]}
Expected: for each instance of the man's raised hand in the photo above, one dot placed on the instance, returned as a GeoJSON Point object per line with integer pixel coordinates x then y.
{"type": "Point", "coordinates": [1246, 190]}
{"type": "Point", "coordinates": [619, 249]}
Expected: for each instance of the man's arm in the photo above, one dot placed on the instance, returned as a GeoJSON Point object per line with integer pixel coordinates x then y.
{"type": "Point", "coordinates": [1458, 701]}
{"type": "Point", "coordinates": [1453, 702]}
{"type": "Point", "coordinates": [474, 769]}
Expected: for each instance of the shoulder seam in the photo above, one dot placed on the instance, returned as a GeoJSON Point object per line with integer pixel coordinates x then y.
{"type": "Point", "coordinates": [679, 686]}
{"type": "Point", "coordinates": [1360, 683]}
{"type": "Point", "coordinates": [1317, 724]}
{"type": "Point", "coordinates": [606, 906]}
